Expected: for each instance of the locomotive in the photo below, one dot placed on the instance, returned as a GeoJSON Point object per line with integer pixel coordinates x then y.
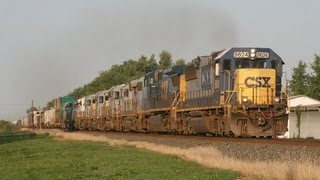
{"type": "Point", "coordinates": [233, 92]}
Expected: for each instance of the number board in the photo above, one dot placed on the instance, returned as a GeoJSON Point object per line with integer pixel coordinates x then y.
{"type": "Point", "coordinates": [262, 55]}
{"type": "Point", "coordinates": [241, 54]}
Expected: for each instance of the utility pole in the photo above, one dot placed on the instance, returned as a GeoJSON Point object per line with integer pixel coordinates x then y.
{"type": "Point", "coordinates": [40, 118]}
{"type": "Point", "coordinates": [32, 118]}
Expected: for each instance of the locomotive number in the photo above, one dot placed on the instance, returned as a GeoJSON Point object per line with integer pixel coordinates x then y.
{"type": "Point", "coordinates": [257, 82]}
{"type": "Point", "coordinates": [241, 54]}
{"type": "Point", "coordinates": [262, 55]}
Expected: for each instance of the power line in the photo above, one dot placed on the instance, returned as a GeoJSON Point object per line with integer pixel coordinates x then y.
{"type": "Point", "coordinates": [14, 104]}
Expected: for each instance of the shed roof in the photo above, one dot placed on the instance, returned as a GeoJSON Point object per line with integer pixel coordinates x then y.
{"type": "Point", "coordinates": [304, 101]}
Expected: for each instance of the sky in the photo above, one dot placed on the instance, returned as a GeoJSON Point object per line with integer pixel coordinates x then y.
{"type": "Point", "coordinates": [50, 47]}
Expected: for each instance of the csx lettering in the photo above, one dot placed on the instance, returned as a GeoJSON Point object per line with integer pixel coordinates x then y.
{"type": "Point", "coordinates": [257, 82]}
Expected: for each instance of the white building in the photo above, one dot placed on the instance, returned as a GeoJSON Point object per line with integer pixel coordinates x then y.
{"type": "Point", "coordinates": [310, 117]}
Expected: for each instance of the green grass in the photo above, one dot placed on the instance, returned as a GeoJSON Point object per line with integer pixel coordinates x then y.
{"type": "Point", "coordinates": [27, 156]}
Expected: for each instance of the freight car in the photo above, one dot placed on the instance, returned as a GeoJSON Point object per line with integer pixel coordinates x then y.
{"type": "Point", "coordinates": [233, 92]}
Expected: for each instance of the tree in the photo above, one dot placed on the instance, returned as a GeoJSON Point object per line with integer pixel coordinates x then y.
{"type": "Point", "coordinates": [146, 65]}
{"type": "Point", "coordinates": [48, 106]}
{"type": "Point", "coordinates": [6, 126]}
{"type": "Point", "coordinates": [151, 64]}
{"type": "Point", "coordinates": [314, 88]}
{"type": "Point", "coordinates": [180, 62]}
{"type": "Point", "coordinates": [165, 59]}
{"type": "Point", "coordinates": [117, 74]}
{"type": "Point", "coordinates": [299, 83]}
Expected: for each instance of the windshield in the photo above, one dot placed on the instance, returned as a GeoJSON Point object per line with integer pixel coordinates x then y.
{"type": "Point", "coordinates": [259, 64]}
{"type": "Point", "coordinates": [245, 63]}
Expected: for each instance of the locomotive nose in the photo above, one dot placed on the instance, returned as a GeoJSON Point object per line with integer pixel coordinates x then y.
{"type": "Point", "coordinates": [256, 86]}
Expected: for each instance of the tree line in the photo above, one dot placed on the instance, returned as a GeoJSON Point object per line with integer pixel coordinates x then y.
{"type": "Point", "coordinates": [304, 83]}
{"type": "Point", "coordinates": [124, 73]}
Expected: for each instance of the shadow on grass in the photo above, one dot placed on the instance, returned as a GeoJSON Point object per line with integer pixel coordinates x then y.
{"type": "Point", "coordinates": [15, 136]}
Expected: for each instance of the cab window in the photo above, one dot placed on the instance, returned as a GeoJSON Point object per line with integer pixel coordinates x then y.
{"type": "Point", "coordinates": [151, 80]}
{"type": "Point", "coordinates": [126, 92]}
{"type": "Point", "coordinates": [146, 82]}
{"type": "Point", "coordinates": [117, 95]}
{"type": "Point", "coordinates": [274, 64]}
{"type": "Point", "coordinates": [88, 102]}
{"type": "Point", "coordinates": [100, 99]}
{"type": "Point", "coordinates": [227, 64]}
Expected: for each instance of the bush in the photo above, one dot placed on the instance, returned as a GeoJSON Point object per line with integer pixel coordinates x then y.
{"type": "Point", "coordinates": [6, 126]}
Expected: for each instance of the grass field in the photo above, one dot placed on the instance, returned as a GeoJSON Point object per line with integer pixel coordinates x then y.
{"type": "Point", "coordinates": [27, 156]}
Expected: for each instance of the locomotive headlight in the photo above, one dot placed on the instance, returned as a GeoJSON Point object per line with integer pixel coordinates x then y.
{"type": "Point", "coordinates": [252, 53]}
{"type": "Point", "coordinates": [244, 99]}
{"type": "Point", "coordinates": [276, 99]}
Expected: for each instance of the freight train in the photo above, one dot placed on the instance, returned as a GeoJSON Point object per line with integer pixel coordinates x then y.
{"type": "Point", "coordinates": [233, 92]}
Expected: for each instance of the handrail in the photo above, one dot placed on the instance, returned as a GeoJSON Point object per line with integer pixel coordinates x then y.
{"type": "Point", "coordinates": [228, 99]}
{"type": "Point", "coordinates": [175, 100]}
{"type": "Point", "coordinates": [286, 94]}
{"type": "Point", "coordinates": [173, 107]}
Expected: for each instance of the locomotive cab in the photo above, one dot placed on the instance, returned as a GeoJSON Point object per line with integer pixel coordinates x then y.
{"type": "Point", "coordinates": [102, 103]}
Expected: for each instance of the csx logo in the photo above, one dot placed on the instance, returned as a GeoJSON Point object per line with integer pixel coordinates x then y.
{"type": "Point", "coordinates": [257, 82]}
